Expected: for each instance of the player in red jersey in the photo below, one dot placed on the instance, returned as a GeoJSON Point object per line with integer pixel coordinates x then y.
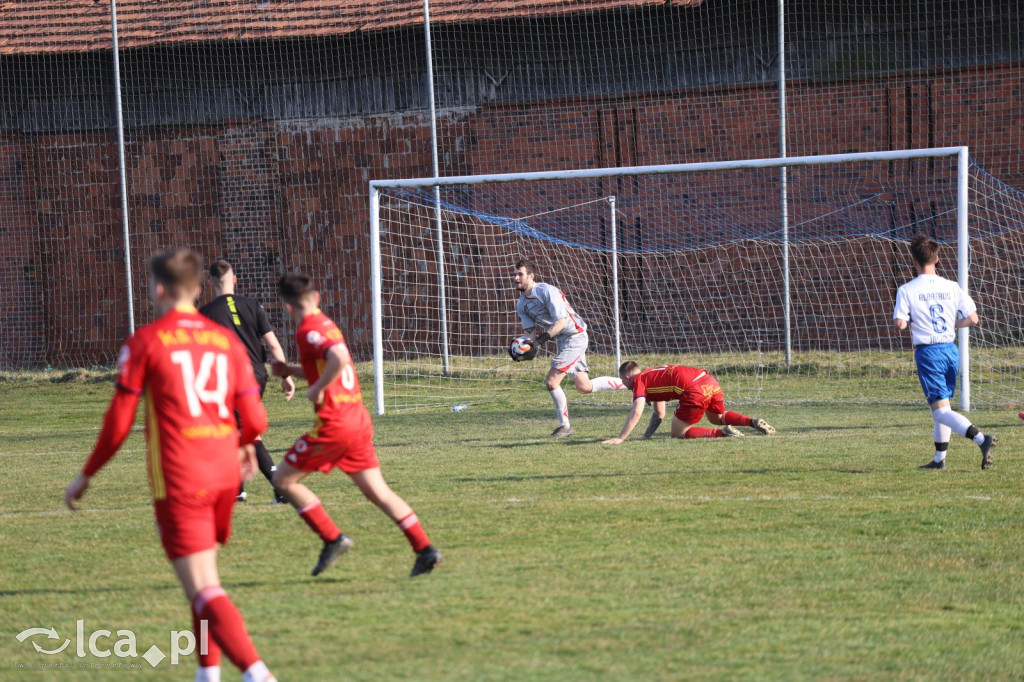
{"type": "Point", "coordinates": [697, 392]}
{"type": "Point", "coordinates": [193, 374]}
{"type": "Point", "coordinates": [342, 433]}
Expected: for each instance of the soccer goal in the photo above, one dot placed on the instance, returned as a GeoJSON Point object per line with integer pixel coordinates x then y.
{"type": "Point", "coordinates": [785, 295]}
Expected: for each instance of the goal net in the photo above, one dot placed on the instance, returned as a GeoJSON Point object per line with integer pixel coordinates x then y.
{"type": "Point", "coordinates": [694, 264]}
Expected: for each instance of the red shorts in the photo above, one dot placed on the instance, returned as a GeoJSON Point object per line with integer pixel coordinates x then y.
{"type": "Point", "coordinates": [351, 455]}
{"type": "Point", "coordinates": [705, 394]}
{"type": "Point", "coordinates": [190, 525]}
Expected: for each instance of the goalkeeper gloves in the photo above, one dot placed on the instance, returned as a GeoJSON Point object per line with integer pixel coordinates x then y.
{"type": "Point", "coordinates": [541, 339]}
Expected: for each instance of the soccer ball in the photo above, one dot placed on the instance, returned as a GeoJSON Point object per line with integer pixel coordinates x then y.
{"type": "Point", "coordinates": [519, 347]}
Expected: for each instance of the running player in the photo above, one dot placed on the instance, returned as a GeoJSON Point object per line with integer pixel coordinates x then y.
{"type": "Point", "coordinates": [342, 433]}
{"type": "Point", "coordinates": [934, 308]}
{"type": "Point", "coordinates": [547, 315]}
{"type": "Point", "coordinates": [248, 319]}
{"type": "Point", "coordinates": [697, 392]}
{"type": "Point", "coordinates": [193, 373]}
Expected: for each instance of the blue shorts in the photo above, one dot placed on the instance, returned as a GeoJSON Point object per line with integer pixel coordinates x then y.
{"type": "Point", "coordinates": [937, 367]}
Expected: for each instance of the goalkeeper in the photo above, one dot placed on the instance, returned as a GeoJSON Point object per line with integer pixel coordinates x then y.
{"type": "Point", "coordinates": [546, 316]}
{"type": "Point", "coordinates": [697, 392]}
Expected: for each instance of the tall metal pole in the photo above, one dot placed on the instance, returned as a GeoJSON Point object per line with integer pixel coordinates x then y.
{"type": "Point", "coordinates": [442, 307]}
{"type": "Point", "coordinates": [378, 311]}
{"type": "Point", "coordinates": [786, 308]}
{"type": "Point", "coordinates": [615, 284]}
{"type": "Point", "coordinates": [121, 166]}
{"type": "Point", "coordinates": [962, 269]}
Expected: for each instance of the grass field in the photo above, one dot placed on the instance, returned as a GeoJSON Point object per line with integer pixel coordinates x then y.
{"type": "Point", "coordinates": [818, 553]}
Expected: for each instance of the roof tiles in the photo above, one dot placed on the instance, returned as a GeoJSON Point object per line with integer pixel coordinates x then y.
{"type": "Point", "coordinates": [50, 26]}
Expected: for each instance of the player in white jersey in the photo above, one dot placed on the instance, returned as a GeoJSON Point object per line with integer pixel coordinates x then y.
{"type": "Point", "coordinates": [546, 315]}
{"type": "Point", "coordinates": [933, 308]}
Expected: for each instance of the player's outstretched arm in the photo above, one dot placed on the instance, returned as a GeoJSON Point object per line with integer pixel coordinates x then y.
{"type": "Point", "coordinates": [117, 424]}
{"type": "Point", "coordinates": [656, 419]}
{"type": "Point", "coordinates": [75, 490]}
{"type": "Point", "coordinates": [283, 369]}
{"type": "Point", "coordinates": [277, 355]}
{"type": "Point", "coordinates": [631, 422]}
{"type": "Point", "coordinates": [335, 356]}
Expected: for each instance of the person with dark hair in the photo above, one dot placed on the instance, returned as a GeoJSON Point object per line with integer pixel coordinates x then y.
{"type": "Point", "coordinates": [933, 308]}
{"type": "Point", "coordinates": [342, 433]}
{"type": "Point", "coordinates": [697, 392]}
{"type": "Point", "coordinates": [194, 374]}
{"type": "Point", "coordinates": [547, 316]}
{"type": "Point", "coordinates": [247, 318]}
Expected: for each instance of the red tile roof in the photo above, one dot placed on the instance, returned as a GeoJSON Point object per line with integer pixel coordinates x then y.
{"type": "Point", "coordinates": [48, 26]}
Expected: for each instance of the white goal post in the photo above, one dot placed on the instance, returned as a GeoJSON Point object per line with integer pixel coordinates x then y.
{"type": "Point", "coordinates": [397, 230]}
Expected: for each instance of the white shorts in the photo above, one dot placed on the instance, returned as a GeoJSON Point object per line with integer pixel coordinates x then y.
{"type": "Point", "coordinates": [571, 356]}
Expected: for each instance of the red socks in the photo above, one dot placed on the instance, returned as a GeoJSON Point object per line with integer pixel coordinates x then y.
{"type": "Point", "coordinates": [226, 628]}
{"type": "Point", "coordinates": [212, 655]}
{"type": "Point", "coordinates": [735, 419]}
{"type": "Point", "coordinates": [414, 532]}
{"type": "Point", "coordinates": [316, 518]}
{"type": "Point", "coordinates": [701, 432]}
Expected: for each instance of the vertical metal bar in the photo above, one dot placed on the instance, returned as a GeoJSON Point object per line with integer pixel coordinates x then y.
{"type": "Point", "coordinates": [784, 178]}
{"type": "Point", "coordinates": [442, 306]}
{"type": "Point", "coordinates": [378, 311]}
{"type": "Point", "coordinates": [123, 172]}
{"type": "Point", "coordinates": [615, 283]}
{"type": "Point", "coordinates": [963, 268]}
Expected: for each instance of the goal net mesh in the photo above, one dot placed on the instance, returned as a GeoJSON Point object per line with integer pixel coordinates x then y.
{"type": "Point", "coordinates": [700, 260]}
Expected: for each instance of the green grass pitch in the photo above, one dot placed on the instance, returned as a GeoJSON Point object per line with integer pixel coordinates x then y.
{"type": "Point", "coordinates": [818, 553]}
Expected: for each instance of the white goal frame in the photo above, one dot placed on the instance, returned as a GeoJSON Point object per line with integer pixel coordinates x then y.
{"type": "Point", "coordinates": [963, 166]}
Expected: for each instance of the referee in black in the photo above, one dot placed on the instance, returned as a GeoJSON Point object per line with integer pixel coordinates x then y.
{"type": "Point", "coordinates": [249, 320]}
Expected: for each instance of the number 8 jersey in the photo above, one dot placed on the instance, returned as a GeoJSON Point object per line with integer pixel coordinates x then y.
{"type": "Point", "coordinates": [932, 305]}
{"type": "Point", "coordinates": [190, 371]}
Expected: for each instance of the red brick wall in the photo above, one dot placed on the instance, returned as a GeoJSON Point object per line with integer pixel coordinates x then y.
{"type": "Point", "coordinates": [285, 195]}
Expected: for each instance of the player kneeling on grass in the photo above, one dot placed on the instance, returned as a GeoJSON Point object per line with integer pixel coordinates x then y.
{"type": "Point", "coordinates": [194, 374]}
{"type": "Point", "coordinates": [697, 392]}
{"type": "Point", "coordinates": [933, 308]}
{"type": "Point", "coordinates": [342, 434]}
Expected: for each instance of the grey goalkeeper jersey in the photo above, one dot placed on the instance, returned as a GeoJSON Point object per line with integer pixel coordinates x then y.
{"type": "Point", "coordinates": [546, 305]}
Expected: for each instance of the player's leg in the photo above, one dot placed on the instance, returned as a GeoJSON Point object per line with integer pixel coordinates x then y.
{"type": "Point", "coordinates": [940, 435]}
{"type": "Point", "coordinates": [373, 486]}
{"type": "Point", "coordinates": [729, 418]}
{"type": "Point", "coordinates": [584, 384]}
{"type": "Point", "coordinates": [937, 368]}
{"type": "Point", "coordinates": [190, 536]}
{"type": "Point", "coordinates": [288, 480]}
{"type": "Point", "coordinates": [553, 382]}
{"type": "Point", "coordinates": [690, 411]}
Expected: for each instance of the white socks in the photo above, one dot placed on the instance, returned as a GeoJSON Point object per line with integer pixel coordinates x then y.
{"type": "Point", "coordinates": [561, 406]}
{"type": "Point", "coordinates": [257, 672]}
{"type": "Point", "coordinates": [941, 434]}
{"type": "Point", "coordinates": [606, 384]}
{"type": "Point", "coordinates": [208, 674]}
{"type": "Point", "coordinates": [957, 422]}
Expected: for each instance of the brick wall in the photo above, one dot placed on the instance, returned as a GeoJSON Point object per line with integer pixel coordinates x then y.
{"type": "Point", "coordinates": [285, 195]}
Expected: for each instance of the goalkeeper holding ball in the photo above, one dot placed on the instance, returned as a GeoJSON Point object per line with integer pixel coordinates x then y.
{"type": "Point", "coordinates": [547, 316]}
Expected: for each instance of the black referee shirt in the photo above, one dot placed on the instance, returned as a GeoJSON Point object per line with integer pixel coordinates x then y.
{"type": "Point", "coordinates": [249, 320]}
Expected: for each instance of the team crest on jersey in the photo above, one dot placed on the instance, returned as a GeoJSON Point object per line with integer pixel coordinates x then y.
{"type": "Point", "coordinates": [301, 446]}
{"type": "Point", "coordinates": [122, 358]}
{"type": "Point", "coordinates": [314, 338]}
